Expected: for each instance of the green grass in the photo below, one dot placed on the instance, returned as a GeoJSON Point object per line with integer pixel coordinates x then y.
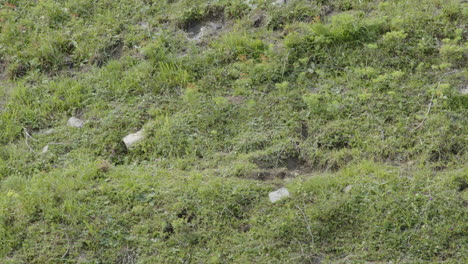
{"type": "Point", "coordinates": [355, 106]}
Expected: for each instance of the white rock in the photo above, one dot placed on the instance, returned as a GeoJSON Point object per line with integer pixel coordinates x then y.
{"type": "Point", "coordinates": [45, 149]}
{"type": "Point", "coordinates": [279, 2]}
{"type": "Point", "coordinates": [131, 139]}
{"type": "Point", "coordinates": [75, 122]}
{"type": "Point", "coordinates": [278, 195]}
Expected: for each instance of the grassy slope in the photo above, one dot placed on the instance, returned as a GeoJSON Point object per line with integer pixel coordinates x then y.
{"type": "Point", "coordinates": [333, 95]}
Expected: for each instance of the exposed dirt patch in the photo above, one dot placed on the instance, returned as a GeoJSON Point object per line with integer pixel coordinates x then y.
{"type": "Point", "coordinates": [304, 130]}
{"type": "Point", "coordinates": [258, 18]}
{"type": "Point", "coordinates": [18, 70]}
{"type": "Point", "coordinates": [244, 228]}
{"type": "Point", "coordinates": [3, 67]}
{"type": "Point", "coordinates": [328, 11]}
{"type": "Point", "coordinates": [287, 168]}
{"type": "Point", "coordinates": [2, 77]}
{"type": "Point", "coordinates": [463, 185]}
{"type": "Point", "coordinates": [5, 90]}
{"type": "Point", "coordinates": [113, 51]}
{"type": "Point", "coordinates": [290, 163]}
{"type": "Point", "coordinates": [203, 30]}
{"type": "Point", "coordinates": [236, 100]}
{"type": "Point", "coordinates": [185, 214]}
{"type": "Point", "coordinates": [168, 230]}
{"type": "Point", "coordinates": [127, 256]}
{"type": "Point", "coordinates": [273, 174]}
{"type": "Point", "coordinates": [464, 90]}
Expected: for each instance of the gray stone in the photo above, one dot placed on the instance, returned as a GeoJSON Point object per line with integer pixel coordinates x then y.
{"type": "Point", "coordinates": [75, 122]}
{"type": "Point", "coordinates": [48, 131]}
{"type": "Point", "coordinates": [278, 195]}
{"type": "Point", "coordinates": [133, 138]}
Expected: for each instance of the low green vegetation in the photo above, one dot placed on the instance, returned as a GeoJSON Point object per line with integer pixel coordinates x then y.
{"type": "Point", "coordinates": [357, 107]}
